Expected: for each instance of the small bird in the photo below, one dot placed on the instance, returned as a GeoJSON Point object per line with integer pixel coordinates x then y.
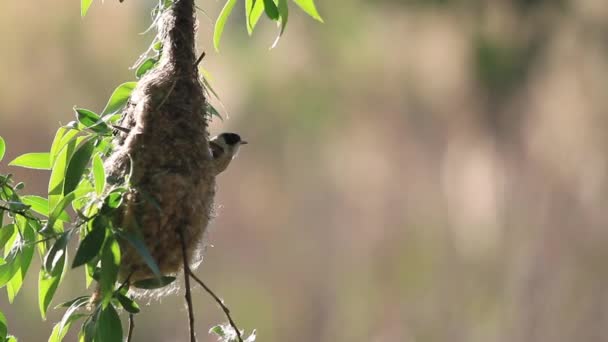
{"type": "Point", "coordinates": [224, 148]}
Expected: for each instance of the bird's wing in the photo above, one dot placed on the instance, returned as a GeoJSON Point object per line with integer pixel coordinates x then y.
{"type": "Point", "coordinates": [216, 149]}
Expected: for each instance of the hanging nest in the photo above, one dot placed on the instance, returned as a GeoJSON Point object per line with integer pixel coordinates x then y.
{"type": "Point", "coordinates": [164, 148]}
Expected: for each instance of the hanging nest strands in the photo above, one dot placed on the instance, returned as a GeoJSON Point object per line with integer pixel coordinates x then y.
{"type": "Point", "coordinates": [165, 148]}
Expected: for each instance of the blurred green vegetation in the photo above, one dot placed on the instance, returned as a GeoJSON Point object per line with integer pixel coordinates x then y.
{"type": "Point", "coordinates": [418, 170]}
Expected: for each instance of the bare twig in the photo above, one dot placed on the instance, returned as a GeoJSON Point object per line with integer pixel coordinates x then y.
{"type": "Point", "coordinates": [18, 212]}
{"type": "Point", "coordinates": [198, 61]}
{"type": "Point", "coordinates": [219, 302]}
{"type": "Point", "coordinates": [131, 327]}
{"type": "Point", "coordinates": [187, 281]}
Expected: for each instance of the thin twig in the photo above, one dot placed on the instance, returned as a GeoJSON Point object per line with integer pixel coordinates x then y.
{"type": "Point", "coordinates": [187, 281]}
{"type": "Point", "coordinates": [125, 283]}
{"type": "Point", "coordinates": [18, 212]}
{"type": "Point", "coordinates": [219, 302]}
{"type": "Point", "coordinates": [198, 61]}
{"type": "Point", "coordinates": [131, 327]}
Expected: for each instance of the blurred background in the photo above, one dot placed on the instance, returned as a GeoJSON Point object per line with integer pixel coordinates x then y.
{"type": "Point", "coordinates": [417, 170]}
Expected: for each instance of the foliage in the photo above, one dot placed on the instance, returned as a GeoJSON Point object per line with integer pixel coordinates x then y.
{"type": "Point", "coordinates": [77, 183]}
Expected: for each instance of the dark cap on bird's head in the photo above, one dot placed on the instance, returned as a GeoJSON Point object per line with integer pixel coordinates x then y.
{"type": "Point", "coordinates": [232, 139]}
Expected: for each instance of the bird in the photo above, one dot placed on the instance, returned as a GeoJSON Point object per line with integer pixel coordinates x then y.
{"type": "Point", "coordinates": [224, 148]}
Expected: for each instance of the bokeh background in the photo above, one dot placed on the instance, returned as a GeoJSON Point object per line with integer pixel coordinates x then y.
{"type": "Point", "coordinates": [417, 170]}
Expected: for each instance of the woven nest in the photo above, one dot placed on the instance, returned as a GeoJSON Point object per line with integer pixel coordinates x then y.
{"type": "Point", "coordinates": [166, 146]}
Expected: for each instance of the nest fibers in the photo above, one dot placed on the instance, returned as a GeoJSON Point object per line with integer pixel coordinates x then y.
{"type": "Point", "coordinates": [166, 145]}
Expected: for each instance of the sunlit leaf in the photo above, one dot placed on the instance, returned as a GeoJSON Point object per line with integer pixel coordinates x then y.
{"type": "Point", "coordinates": [221, 22]}
{"type": "Point", "coordinates": [6, 233]}
{"type": "Point", "coordinates": [2, 148]}
{"type": "Point", "coordinates": [37, 160]}
{"type": "Point", "coordinates": [72, 301]}
{"type": "Point", "coordinates": [92, 121]}
{"type": "Point", "coordinates": [253, 12]}
{"type": "Point", "coordinates": [3, 327]}
{"type": "Point", "coordinates": [58, 174]}
{"type": "Point", "coordinates": [55, 257]}
{"type": "Point", "coordinates": [84, 7]}
{"type": "Point", "coordinates": [119, 98]}
{"type": "Point", "coordinates": [63, 136]}
{"type": "Point", "coordinates": [99, 174]}
{"type": "Point", "coordinates": [27, 252]}
{"type": "Point", "coordinates": [61, 329]}
{"type": "Point", "coordinates": [12, 262]}
{"type": "Point", "coordinates": [47, 285]}
{"type": "Point", "coordinates": [146, 66]}
{"type": "Point", "coordinates": [71, 314]}
{"type": "Point", "coordinates": [41, 206]}
{"type": "Point", "coordinates": [110, 261]}
{"type": "Point", "coordinates": [77, 165]}
{"type": "Point", "coordinates": [309, 7]}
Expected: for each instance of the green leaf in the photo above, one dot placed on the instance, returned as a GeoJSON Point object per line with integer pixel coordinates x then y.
{"type": "Point", "coordinates": [27, 252]}
{"type": "Point", "coordinates": [87, 331]}
{"type": "Point", "coordinates": [71, 314]}
{"type": "Point", "coordinates": [221, 21]}
{"type": "Point", "coordinates": [47, 285]}
{"type": "Point", "coordinates": [63, 136]}
{"type": "Point", "coordinates": [38, 160]}
{"type": "Point", "coordinates": [3, 327]}
{"type": "Point", "coordinates": [153, 283]}
{"type": "Point", "coordinates": [41, 206]}
{"type": "Point", "coordinates": [114, 198]}
{"type": "Point", "coordinates": [6, 233]}
{"type": "Point", "coordinates": [271, 9]}
{"type": "Point", "coordinates": [11, 265]}
{"type": "Point", "coordinates": [59, 167]}
{"type": "Point", "coordinates": [110, 261]}
{"type": "Point", "coordinates": [136, 241]}
{"type": "Point", "coordinates": [284, 12]}
{"type": "Point", "coordinates": [127, 303]}
{"type": "Point", "coordinates": [309, 7]}
{"type": "Point", "coordinates": [61, 329]}
{"type": "Point", "coordinates": [55, 257]}
{"type": "Point", "coordinates": [84, 7]}
{"type": "Point", "coordinates": [2, 148]}
{"type": "Point", "coordinates": [72, 301]}
{"type": "Point", "coordinates": [119, 98]}
{"type": "Point", "coordinates": [77, 165]}
{"type": "Point", "coordinates": [92, 242]}
{"type": "Point", "coordinates": [59, 208]}
{"type": "Point", "coordinates": [109, 328]}
{"type": "Point", "coordinates": [218, 330]}
{"type": "Point", "coordinates": [253, 11]}
{"type": "Point", "coordinates": [91, 121]}
{"type": "Point", "coordinates": [146, 66]}
{"type": "Point", "coordinates": [99, 174]}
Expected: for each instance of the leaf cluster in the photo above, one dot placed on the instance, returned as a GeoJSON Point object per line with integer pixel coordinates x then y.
{"type": "Point", "coordinates": [81, 203]}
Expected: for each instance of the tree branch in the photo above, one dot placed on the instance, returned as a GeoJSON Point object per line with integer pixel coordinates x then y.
{"type": "Point", "coordinates": [187, 283]}
{"type": "Point", "coordinates": [131, 327]}
{"type": "Point", "coordinates": [219, 302]}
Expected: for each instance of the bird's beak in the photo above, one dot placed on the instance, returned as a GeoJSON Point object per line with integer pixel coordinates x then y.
{"type": "Point", "coordinates": [244, 142]}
